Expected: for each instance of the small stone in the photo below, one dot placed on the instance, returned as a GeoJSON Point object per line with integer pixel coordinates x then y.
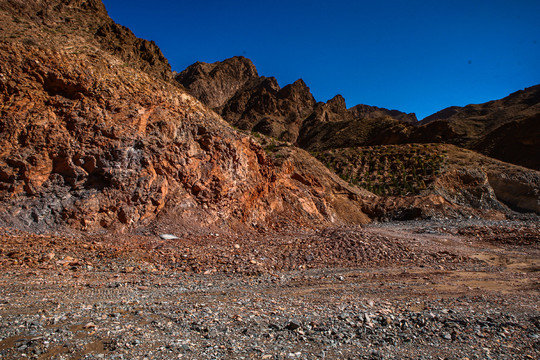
{"type": "Point", "coordinates": [386, 320]}
{"type": "Point", "coordinates": [236, 246]}
{"type": "Point", "coordinates": [68, 261]}
{"type": "Point", "coordinates": [168, 237]}
{"type": "Point", "coordinates": [293, 325]}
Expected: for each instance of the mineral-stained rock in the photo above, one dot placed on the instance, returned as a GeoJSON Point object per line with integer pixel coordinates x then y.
{"type": "Point", "coordinates": [91, 140]}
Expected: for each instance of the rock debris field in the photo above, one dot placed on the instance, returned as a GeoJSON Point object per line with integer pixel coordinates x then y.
{"type": "Point", "coordinates": [410, 290]}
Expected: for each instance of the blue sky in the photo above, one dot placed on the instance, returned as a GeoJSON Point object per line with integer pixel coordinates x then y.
{"type": "Point", "coordinates": [415, 56]}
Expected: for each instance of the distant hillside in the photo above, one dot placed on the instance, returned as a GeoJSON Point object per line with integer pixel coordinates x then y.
{"type": "Point", "coordinates": [248, 101]}
{"type": "Point", "coordinates": [506, 129]}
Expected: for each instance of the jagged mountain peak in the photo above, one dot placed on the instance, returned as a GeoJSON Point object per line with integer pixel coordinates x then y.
{"type": "Point", "coordinates": [252, 103]}
{"type": "Point", "coordinates": [216, 83]}
{"type": "Point", "coordinates": [337, 104]}
{"type": "Point", "coordinates": [368, 111]}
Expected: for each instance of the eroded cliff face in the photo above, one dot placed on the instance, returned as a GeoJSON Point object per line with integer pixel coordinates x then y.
{"type": "Point", "coordinates": [94, 137]}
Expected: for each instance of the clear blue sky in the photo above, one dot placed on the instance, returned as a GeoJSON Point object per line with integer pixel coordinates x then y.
{"type": "Point", "coordinates": [415, 56]}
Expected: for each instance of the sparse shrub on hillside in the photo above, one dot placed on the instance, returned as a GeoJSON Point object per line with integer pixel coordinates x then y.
{"type": "Point", "coordinates": [390, 170]}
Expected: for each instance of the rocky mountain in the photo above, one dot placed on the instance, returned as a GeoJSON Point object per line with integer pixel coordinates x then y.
{"type": "Point", "coordinates": [332, 131]}
{"type": "Point", "coordinates": [248, 101]}
{"type": "Point", "coordinates": [507, 129]}
{"type": "Point", "coordinates": [373, 112]}
{"type": "Point", "coordinates": [215, 84]}
{"type": "Point", "coordinates": [35, 22]}
{"type": "Point", "coordinates": [256, 103]}
{"type": "Point", "coordinates": [95, 135]}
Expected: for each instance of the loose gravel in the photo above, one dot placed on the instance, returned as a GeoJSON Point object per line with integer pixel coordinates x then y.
{"type": "Point", "coordinates": [100, 304]}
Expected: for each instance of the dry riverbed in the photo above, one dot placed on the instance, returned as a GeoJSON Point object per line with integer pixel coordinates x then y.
{"type": "Point", "coordinates": [417, 290]}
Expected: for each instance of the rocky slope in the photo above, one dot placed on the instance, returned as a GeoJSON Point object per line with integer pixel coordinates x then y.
{"type": "Point", "coordinates": [43, 22]}
{"type": "Point", "coordinates": [93, 134]}
{"type": "Point", "coordinates": [338, 135]}
{"type": "Point", "coordinates": [507, 129]}
{"type": "Point", "coordinates": [416, 290]}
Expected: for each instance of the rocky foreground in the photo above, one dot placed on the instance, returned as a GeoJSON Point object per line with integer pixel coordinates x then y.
{"type": "Point", "coordinates": [417, 290]}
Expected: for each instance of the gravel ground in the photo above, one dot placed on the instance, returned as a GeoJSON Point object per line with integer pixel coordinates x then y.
{"type": "Point", "coordinates": [468, 291]}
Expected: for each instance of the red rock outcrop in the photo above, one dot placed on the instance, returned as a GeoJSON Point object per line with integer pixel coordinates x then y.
{"type": "Point", "coordinates": [96, 137]}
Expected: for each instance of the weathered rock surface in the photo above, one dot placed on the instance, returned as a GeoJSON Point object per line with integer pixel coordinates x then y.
{"type": "Point", "coordinates": [266, 108]}
{"type": "Point", "coordinates": [332, 126]}
{"type": "Point", "coordinates": [479, 182]}
{"type": "Point", "coordinates": [93, 135]}
{"type": "Point", "coordinates": [366, 111]}
{"type": "Point", "coordinates": [35, 22]}
{"type": "Point", "coordinates": [215, 84]}
{"type": "Point", "coordinates": [520, 191]}
{"type": "Point", "coordinates": [507, 129]}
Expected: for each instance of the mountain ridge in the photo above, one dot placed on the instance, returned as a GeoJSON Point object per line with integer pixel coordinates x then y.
{"type": "Point", "coordinates": [255, 107]}
{"type": "Point", "coordinates": [258, 103]}
{"type": "Point", "coordinates": [96, 134]}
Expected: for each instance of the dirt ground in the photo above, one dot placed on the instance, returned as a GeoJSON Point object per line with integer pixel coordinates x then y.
{"type": "Point", "coordinates": [410, 290]}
